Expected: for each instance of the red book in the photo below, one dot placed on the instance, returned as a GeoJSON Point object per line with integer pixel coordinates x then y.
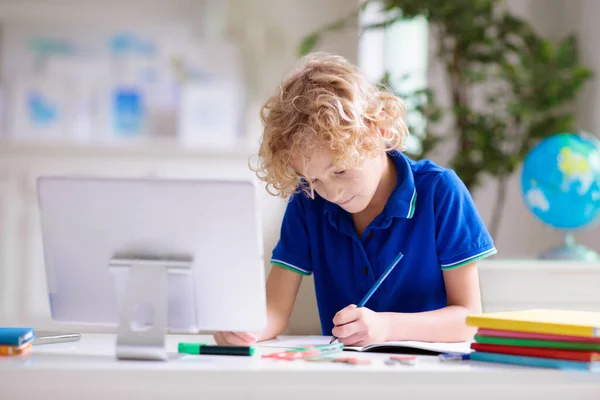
{"type": "Point", "coordinates": [576, 355]}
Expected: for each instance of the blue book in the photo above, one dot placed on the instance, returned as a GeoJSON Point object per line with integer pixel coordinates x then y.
{"type": "Point", "coordinates": [15, 336]}
{"type": "Point", "coordinates": [535, 361]}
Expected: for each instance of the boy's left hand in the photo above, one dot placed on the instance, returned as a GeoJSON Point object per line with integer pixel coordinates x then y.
{"type": "Point", "coordinates": [359, 326]}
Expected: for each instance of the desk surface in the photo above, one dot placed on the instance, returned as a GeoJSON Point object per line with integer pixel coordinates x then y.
{"type": "Point", "coordinates": [88, 369]}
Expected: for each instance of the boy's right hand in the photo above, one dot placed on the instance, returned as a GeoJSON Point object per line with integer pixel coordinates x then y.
{"type": "Point", "coordinates": [235, 338]}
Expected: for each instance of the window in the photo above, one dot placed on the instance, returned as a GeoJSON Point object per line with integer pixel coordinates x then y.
{"type": "Point", "coordinates": [401, 50]}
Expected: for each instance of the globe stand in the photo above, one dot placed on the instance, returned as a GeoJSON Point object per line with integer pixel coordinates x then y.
{"type": "Point", "coordinates": [570, 251]}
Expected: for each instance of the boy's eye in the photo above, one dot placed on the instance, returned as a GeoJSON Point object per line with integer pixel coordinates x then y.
{"type": "Point", "coordinates": [314, 181]}
{"type": "Point", "coordinates": [342, 172]}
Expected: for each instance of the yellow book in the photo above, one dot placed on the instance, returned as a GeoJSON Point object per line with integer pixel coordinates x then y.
{"type": "Point", "coordinates": [558, 322]}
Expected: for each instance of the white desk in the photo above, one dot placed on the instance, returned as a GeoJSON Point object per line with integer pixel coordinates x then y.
{"type": "Point", "coordinates": [88, 370]}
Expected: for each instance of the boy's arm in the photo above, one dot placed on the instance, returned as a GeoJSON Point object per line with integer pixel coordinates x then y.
{"type": "Point", "coordinates": [461, 239]}
{"type": "Point", "coordinates": [282, 289]}
{"type": "Point", "coordinates": [362, 326]}
{"type": "Point", "coordinates": [446, 324]}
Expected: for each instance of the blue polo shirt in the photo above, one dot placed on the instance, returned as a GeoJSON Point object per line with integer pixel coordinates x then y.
{"type": "Point", "coordinates": [430, 218]}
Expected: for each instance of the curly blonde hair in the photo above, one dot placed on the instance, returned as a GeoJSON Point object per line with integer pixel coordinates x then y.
{"type": "Point", "coordinates": [325, 102]}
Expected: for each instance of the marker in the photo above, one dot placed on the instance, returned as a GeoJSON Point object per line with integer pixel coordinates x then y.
{"type": "Point", "coordinates": [313, 351]}
{"type": "Point", "coordinates": [303, 352]}
{"type": "Point", "coordinates": [453, 357]}
{"type": "Point", "coordinates": [203, 348]}
{"type": "Point", "coordinates": [282, 354]}
{"type": "Point", "coordinates": [326, 348]}
{"type": "Point", "coordinates": [376, 285]}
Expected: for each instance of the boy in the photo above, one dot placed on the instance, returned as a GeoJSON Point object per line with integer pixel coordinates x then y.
{"type": "Point", "coordinates": [333, 143]}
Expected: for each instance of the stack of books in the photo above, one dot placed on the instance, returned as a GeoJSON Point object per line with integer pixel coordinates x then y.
{"type": "Point", "coordinates": [15, 341]}
{"type": "Point", "coordinates": [540, 338]}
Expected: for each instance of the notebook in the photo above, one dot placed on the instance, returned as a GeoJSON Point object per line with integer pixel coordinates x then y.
{"type": "Point", "coordinates": [556, 322]}
{"type": "Point", "coordinates": [575, 355]}
{"type": "Point", "coordinates": [403, 347]}
{"type": "Point", "coordinates": [15, 336]}
{"type": "Point", "coordinates": [414, 347]}
{"type": "Point", "coordinates": [550, 344]}
{"type": "Point", "coordinates": [535, 361]}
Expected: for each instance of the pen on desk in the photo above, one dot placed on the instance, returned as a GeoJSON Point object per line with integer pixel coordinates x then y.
{"type": "Point", "coordinates": [376, 285]}
{"type": "Point", "coordinates": [203, 348]}
{"type": "Point", "coordinates": [453, 357]}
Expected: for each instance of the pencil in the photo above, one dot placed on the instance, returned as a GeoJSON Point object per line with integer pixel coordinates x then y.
{"type": "Point", "coordinates": [376, 285]}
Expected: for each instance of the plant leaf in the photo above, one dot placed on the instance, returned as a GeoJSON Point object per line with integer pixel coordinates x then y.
{"type": "Point", "coordinates": [309, 43]}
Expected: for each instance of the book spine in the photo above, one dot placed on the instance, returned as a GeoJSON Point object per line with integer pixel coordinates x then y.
{"type": "Point", "coordinates": [8, 350]}
{"type": "Point", "coordinates": [538, 327]}
{"type": "Point", "coordinates": [549, 344]}
{"type": "Point", "coordinates": [13, 350]}
{"type": "Point", "coordinates": [532, 361]}
{"type": "Point", "coordinates": [574, 355]}
{"type": "Point", "coordinates": [10, 341]}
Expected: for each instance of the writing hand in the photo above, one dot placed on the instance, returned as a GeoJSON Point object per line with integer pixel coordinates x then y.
{"type": "Point", "coordinates": [359, 326]}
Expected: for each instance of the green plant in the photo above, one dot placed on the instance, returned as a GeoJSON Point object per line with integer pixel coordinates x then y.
{"type": "Point", "coordinates": [509, 86]}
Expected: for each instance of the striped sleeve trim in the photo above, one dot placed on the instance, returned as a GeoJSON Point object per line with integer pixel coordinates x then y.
{"type": "Point", "coordinates": [291, 267]}
{"type": "Point", "coordinates": [413, 201]}
{"type": "Point", "coordinates": [487, 253]}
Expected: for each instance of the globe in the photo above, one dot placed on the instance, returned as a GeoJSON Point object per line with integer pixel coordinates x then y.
{"type": "Point", "coordinates": [561, 186]}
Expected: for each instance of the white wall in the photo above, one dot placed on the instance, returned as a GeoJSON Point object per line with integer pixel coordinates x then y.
{"type": "Point", "coordinates": [270, 33]}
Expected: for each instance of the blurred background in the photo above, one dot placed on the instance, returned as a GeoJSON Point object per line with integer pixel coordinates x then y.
{"type": "Point", "coordinates": [173, 88]}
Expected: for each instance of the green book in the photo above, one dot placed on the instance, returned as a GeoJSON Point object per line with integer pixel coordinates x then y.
{"type": "Point", "coordinates": [550, 344]}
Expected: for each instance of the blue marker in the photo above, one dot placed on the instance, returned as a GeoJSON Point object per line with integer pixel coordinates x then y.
{"type": "Point", "coordinates": [376, 285]}
{"type": "Point", "coordinates": [453, 357]}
